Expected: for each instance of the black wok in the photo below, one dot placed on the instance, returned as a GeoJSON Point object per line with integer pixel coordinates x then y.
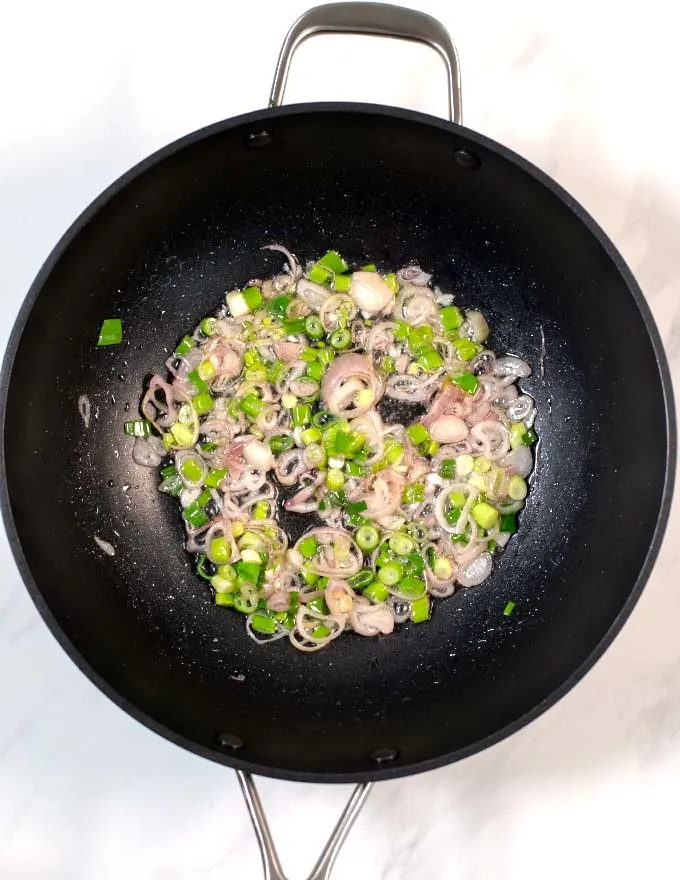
{"type": "Point", "coordinates": [158, 249]}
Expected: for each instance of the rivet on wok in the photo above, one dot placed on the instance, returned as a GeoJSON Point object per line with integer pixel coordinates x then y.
{"type": "Point", "coordinates": [383, 755]}
{"type": "Point", "coordinates": [230, 740]}
{"type": "Point", "coordinates": [256, 140]}
{"type": "Point", "coordinates": [467, 160]}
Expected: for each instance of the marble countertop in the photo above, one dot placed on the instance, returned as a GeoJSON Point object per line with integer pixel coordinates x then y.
{"type": "Point", "coordinates": [589, 789]}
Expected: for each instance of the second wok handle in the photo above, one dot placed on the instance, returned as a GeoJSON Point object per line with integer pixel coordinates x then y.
{"type": "Point", "coordinates": [377, 19]}
{"type": "Point", "coordinates": [270, 859]}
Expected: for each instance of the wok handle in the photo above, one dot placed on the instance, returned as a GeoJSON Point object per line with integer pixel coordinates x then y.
{"type": "Point", "coordinates": [378, 19]}
{"type": "Point", "coordinates": [270, 860]}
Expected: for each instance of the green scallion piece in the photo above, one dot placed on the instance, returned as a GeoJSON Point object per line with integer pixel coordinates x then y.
{"type": "Point", "coordinates": [342, 283]}
{"type": "Point", "coordinates": [485, 515]}
{"type": "Point", "coordinates": [412, 587]}
{"type": "Point", "coordinates": [356, 506]}
{"type": "Point", "coordinates": [244, 604]}
{"type": "Point", "coordinates": [294, 327]}
{"type": "Point", "coordinates": [401, 544]}
{"type": "Point", "coordinates": [392, 281]}
{"type": "Point", "coordinates": [324, 419]}
{"type": "Point", "coordinates": [467, 381]}
{"type": "Point", "coordinates": [308, 355]}
{"type": "Point", "coordinates": [451, 318]}
{"type": "Point", "coordinates": [259, 623]}
{"type": "Point", "coordinates": [252, 357]}
{"type": "Point", "coordinates": [387, 364]}
{"type": "Point", "coordinates": [517, 488]}
{"type": "Point", "coordinates": [251, 405]}
{"type": "Point", "coordinates": [191, 470]}
{"type": "Point", "coordinates": [509, 523]}
{"type": "Point", "coordinates": [215, 477]}
{"type": "Point", "coordinates": [180, 435]}
{"type": "Point", "coordinates": [333, 261]}
{"type": "Point", "coordinates": [253, 298]}
{"type": "Point", "coordinates": [198, 383]}
{"type": "Point", "coordinates": [417, 531]}
{"type": "Point", "coordinates": [376, 592]}
{"type": "Point", "coordinates": [137, 428]}
{"type": "Point", "coordinates": [430, 360]}
{"type": "Point", "coordinates": [310, 435]}
{"type": "Point", "coordinates": [394, 451]}
{"type": "Point", "coordinates": [314, 327]}
{"type": "Point", "coordinates": [516, 434]}
{"type": "Point", "coordinates": [203, 404]}
{"type": "Point", "coordinates": [447, 469]}
{"type": "Point", "coordinates": [340, 339]}
{"type": "Point", "coordinates": [184, 346]}
{"type": "Point", "coordinates": [367, 538]}
{"type": "Point", "coordinates": [319, 605]}
{"type": "Point", "coordinates": [195, 515]}
{"type": "Point", "coordinates": [391, 574]}
{"type": "Point", "coordinates": [172, 485]}
{"type": "Point", "coordinates": [206, 370]}
{"type": "Point", "coordinates": [420, 338]}
{"type": "Point", "coordinates": [509, 608]}
{"type": "Point", "coordinates": [354, 469]}
{"type": "Point", "coordinates": [278, 306]}
{"type": "Point", "coordinates": [308, 546]}
{"type": "Point", "coordinates": [466, 349]}
{"type": "Point", "coordinates": [220, 551]}
{"type": "Point", "coordinates": [530, 437]}
{"type": "Point", "coordinates": [457, 499]}
{"type": "Point", "coordinates": [348, 442]}
{"type": "Point", "coordinates": [420, 609]}
{"type": "Point", "coordinates": [320, 274]}
{"type": "Point", "coordinates": [276, 371]}
{"type": "Point", "coordinates": [414, 494]}
{"type": "Point", "coordinates": [429, 447]}
{"type": "Point", "coordinates": [361, 579]}
{"type": "Point", "coordinates": [280, 443]}
{"type": "Point", "coordinates": [316, 371]}
{"type": "Point", "coordinates": [335, 479]}
{"type": "Point", "coordinates": [201, 570]}
{"type": "Point", "coordinates": [302, 415]}
{"type": "Point", "coordinates": [326, 356]}
{"type": "Point", "coordinates": [336, 498]}
{"type": "Point", "coordinates": [401, 331]}
{"type": "Point", "coordinates": [417, 433]}
{"type": "Point", "coordinates": [249, 572]}
{"type": "Point", "coordinates": [204, 498]}
{"type": "Point", "coordinates": [209, 326]}
{"type": "Point", "coordinates": [226, 599]}
{"type": "Point", "coordinates": [416, 563]}
{"type": "Point", "coordinates": [315, 455]}
{"type": "Point", "coordinates": [111, 332]}
{"type": "Point", "coordinates": [261, 510]}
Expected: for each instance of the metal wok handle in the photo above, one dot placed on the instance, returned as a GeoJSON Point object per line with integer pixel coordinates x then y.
{"type": "Point", "coordinates": [270, 860]}
{"type": "Point", "coordinates": [378, 19]}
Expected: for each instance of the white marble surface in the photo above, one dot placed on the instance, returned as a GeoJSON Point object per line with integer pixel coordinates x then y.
{"type": "Point", "coordinates": [586, 91]}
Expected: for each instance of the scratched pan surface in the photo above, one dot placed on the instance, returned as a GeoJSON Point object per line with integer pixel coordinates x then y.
{"type": "Point", "coordinates": [159, 249]}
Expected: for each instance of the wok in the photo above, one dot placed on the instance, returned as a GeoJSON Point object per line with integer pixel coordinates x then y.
{"type": "Point", "coordinates": [390, 186]}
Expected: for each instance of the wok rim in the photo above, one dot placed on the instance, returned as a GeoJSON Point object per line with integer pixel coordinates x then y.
{"type": "Point", "coordinates": [382, 772]}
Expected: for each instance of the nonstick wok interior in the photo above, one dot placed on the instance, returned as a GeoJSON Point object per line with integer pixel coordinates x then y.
{"type": "Point", "coordinates": [159, 250]}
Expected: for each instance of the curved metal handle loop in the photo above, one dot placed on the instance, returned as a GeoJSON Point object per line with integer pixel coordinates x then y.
{"type": "Point", "coordinates": [270, 860]}
{"type": "Point", "coordinates": [378, 19]}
